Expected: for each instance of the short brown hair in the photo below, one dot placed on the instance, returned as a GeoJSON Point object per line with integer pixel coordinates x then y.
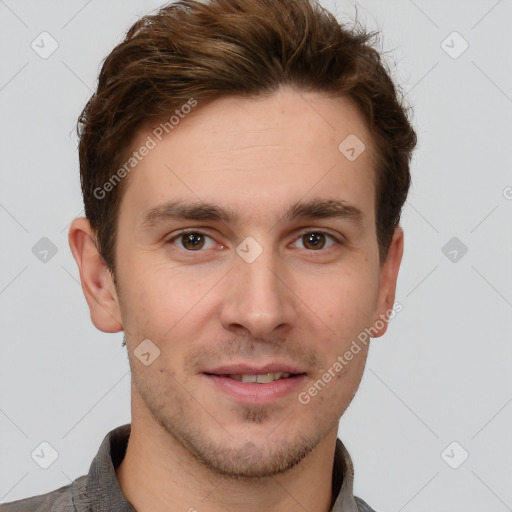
{"type": "Point", "coordinates": [214, 48]}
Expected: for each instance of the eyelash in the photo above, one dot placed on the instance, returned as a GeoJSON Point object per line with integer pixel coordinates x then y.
{"type": "Point", "coordinates": [304, 232]}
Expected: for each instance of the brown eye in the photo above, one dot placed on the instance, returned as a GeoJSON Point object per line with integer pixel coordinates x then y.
{"type": "Point", "coordinates": [192, 241]}
{"type": "Point", "coordinates": [315, 240]}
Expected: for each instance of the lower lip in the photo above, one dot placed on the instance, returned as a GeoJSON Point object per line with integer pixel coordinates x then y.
{"type": "Point", "coordinates": [253, 393]}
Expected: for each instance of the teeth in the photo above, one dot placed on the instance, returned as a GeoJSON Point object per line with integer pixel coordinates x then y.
{"type": "Point", "coordinates": [261, 379]}
{"type": "Point", "coordinates": [265, 378]}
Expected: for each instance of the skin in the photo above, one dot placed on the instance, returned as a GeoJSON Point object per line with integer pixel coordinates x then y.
{"type": "Point", "coordinates": [193, 446]}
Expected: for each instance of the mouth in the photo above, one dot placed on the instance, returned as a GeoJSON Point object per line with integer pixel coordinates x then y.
{"type": "Point", "coordinates": [262, 378]}
{"type": "Point", "coordinates": [255, 386]}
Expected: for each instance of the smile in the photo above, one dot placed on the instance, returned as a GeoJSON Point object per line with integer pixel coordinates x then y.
{"type": "Point", "coordinates": [256, 389]}
{"type": "Point", "coordinates": [264, 378]}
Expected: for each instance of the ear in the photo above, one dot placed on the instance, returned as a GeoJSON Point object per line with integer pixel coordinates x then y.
{"type": "Point", "coordinates": [387, 283]}
{"type": "Point", "coordinates": [97, 280]}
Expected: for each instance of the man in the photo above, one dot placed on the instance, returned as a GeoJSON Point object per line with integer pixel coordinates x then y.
{"type": "Point", "coordinates": [244, 164]}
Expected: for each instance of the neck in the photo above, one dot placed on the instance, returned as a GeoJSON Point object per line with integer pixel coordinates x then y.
{"type": "Point", "coordinates": [158, 474]}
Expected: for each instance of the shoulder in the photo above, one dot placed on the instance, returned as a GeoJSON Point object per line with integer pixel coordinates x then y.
{"type": "Point", "coordinates": [362, 506]}
{"type": "Point", "coordinates": [59, 500]}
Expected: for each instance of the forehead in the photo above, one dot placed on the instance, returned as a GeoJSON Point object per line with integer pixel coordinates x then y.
{"type": "Point", "coordinates": [255, 154]}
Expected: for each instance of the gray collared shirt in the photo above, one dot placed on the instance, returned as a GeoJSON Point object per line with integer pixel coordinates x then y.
{"type": "Point", "coordinates": [99, 490]}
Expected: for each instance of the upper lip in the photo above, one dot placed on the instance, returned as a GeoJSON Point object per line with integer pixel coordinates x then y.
{"type": "Point", "coordinates": [246, 369]}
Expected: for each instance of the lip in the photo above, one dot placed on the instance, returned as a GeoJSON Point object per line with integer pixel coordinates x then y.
{"type": "Point", "coordinates": [246, 369]}
{"type": "Point", "coordinates": [249, 393]}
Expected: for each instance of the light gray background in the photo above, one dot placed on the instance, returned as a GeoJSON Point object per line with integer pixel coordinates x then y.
{"type": "Point", "coordinates": [442, 373]}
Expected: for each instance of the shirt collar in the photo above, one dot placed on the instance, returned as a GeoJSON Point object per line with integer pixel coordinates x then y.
{"type": "Point", "coordinates": [100, 490]}
{"type": "Point", "coordinates": [343, 471]}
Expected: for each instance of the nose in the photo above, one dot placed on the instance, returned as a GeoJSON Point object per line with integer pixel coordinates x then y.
{"type": "Point", "coordinates": [259, 299]}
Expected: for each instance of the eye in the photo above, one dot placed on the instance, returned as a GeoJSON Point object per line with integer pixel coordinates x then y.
{"type": "Point", "coordinates": [315, 240]}
{"type": "Point", "coordinates": [193, 241]}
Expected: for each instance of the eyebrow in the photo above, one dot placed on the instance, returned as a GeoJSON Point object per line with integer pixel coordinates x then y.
{"type": "Point", "coordinates": [312, 209]}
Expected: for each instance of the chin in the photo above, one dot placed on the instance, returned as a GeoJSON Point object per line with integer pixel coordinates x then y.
{"type": "Point", "coordinates": [251, 461]}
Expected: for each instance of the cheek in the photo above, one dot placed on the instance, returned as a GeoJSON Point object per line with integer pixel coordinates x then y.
{"type": "Point", "coordinates": [349, 299]}
{"type": "Point", "coordinates": [157, 302]}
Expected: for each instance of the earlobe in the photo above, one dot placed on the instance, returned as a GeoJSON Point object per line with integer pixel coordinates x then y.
{"type": "Point", "coordinates": [387, 283]}
{"type": "Point", "coordinates": [96, 279]}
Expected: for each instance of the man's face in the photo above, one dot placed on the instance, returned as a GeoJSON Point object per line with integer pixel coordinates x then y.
{"type": "Point", "coordinates": [264, 291]}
